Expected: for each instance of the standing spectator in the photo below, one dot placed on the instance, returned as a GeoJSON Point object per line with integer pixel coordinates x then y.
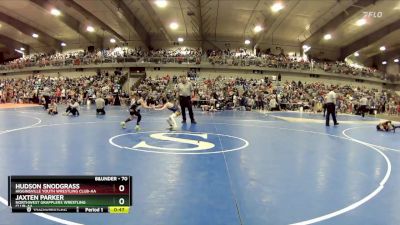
{"type": "Point", "coordinates": [273, 105]}
{"type": "Point", "coordinates": [185, 90]}
{"type": "Point", "coordinates": [330, 106]}
{"type": "Point", "coordinates": [324, 106]}
{"type": "Point", "coordinates": [398, 109]}
{"type": "Point", "coordinates": [58, 94]}
{"type": "Point", "coordinates": [63, 95]}
{"type": "Point", "coordinates": [1, 93]}
{"type": "Point", "coordinates": [117, 100]}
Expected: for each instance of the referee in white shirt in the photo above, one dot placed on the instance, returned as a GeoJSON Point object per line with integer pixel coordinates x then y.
{"type": "Point", "coordinates": [185, 90]}
{"type": "Point", "coordinates": [330, 106]}
{"type": "Point", "coordinates": [46, 95]}
{"type": "Point", "coordinates": [363, 105]}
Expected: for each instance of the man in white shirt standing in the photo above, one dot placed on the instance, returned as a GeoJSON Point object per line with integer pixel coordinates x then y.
{"type": "Point", "coordinates": [185, 90]}
{"type": "Point", "coordinates": [46, 95]}
{"type": "Point", "coordinates": [363, 105]}
{"type": "Point", "coordinates": [330, 106]}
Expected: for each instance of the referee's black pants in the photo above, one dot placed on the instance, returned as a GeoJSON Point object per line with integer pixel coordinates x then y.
{"type": "Point", "coordinates": [46, 101]}
{"type": "Point", "coordinates": [362, 110]}
{"type": "Point", "coordinates": [330, 108]}
{"type": "Point", "coordinates": [186, 102]}
{"type": "Point", "coordinates": [100, 111]}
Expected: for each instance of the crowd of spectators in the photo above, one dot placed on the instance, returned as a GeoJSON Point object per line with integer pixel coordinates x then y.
{"type": "Point", "coordinates": [244, 57]}
{"type": "Point", "coordinates": [33, 88]}
{"type": "Point", "coordinates": [230, 57]}
{"type": "Point", "coordinates": [179, 52]}
{"type": "Point", "coordinates": [155, 89]}
{"type": "Point", "coordinates": [76, 58]}
{"type": "Point", "coordinates": [111, 55]}
{"type": "Point", "coordinates": [263, 94]}
{"type": "Point", "coordinates": [221, 93]}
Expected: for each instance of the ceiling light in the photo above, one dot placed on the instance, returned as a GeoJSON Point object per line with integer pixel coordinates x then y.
{"type": "Point", "coordinates": [327, 36]}
{"type": "Point", "coordinates": [173, 25]}
{"type": "Point", "coordinates": [22, 49]}
{"type": "Point", "coordinates": [382, 48]}
{"type": "Point", "coordinates": [257, 28]}
{"type": "Point", "coordinates": [396, 60]}
{"type": "Point", "coordinates": [161, 3]}
{"type": "Point", "coordinates": [55, 12]}
{"type": "Point", "coordinates": [356, 54]}
{"type": "Point", "coordinates": [35, 35]}
{"type": "Point", "coordinates": [63, 44]}
{"type": "Point", "coordinates": [384, 62]}
{"type": "Point", "coordinates": [180, 39]}
{"type": "Point", "coordinates": [90, 28]}
{"type": "Point", "coordinates": [278, 6]}
{"type": "Point", "coordinates": [247, 42]}
{"type": "Point", "coordinates": [361, 22]}
{"type": "Point", "coordinates": [306, 48]}
{"type": "Point", "coordinates": [112, 40]}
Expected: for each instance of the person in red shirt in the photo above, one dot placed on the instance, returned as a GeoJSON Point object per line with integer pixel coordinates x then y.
{"type": "Point", "coordinates": [58, 94]}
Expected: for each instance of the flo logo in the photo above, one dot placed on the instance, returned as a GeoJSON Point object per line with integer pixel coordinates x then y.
{"type": "Point", "coordinates": [373, 14]}
{"type": "Point", "coordinates": [179, 142]}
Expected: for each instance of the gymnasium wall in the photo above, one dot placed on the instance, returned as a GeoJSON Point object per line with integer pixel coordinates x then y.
{"type": "Point", "coordinates": [393, 68]}
{"type": "Point", "coordinates": [166, 71]}
{"type": "Point", "coordinates": [156, 44]}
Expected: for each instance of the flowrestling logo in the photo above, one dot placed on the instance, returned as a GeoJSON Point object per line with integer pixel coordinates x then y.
{"type": "Point", "coordinates": [373, 14]}
{"type": "Point", "coordinates": [179, 142]}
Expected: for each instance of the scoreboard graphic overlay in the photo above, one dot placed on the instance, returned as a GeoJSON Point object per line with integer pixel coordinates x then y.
{"type": "Point", "coordinates": [70, 194]}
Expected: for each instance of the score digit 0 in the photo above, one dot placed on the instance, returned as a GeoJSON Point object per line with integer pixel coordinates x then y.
{"type": "Point", "coordinates": [121, 188]}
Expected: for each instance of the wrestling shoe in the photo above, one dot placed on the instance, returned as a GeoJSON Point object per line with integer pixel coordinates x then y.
{"type": "Point", "coordinates": [123, 125]}
{"type": "Point", "coordinates": [137, 128]}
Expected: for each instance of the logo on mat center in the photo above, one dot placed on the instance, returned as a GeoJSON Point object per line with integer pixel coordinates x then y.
{"type": "Point", "coordinates": [179, 142]}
